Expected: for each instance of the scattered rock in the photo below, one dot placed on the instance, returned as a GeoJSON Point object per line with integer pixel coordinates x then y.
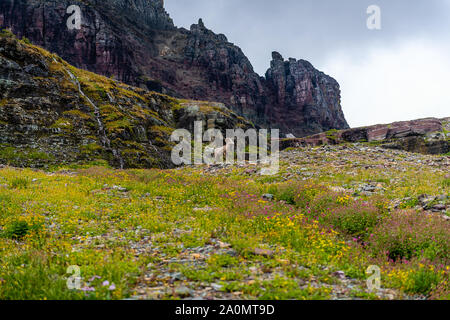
{"type": "Point", "coordinates": [439, 207]}
{"type": "Point", "coordinates": [183, 292]}
{"type": "Point", "coordinates": [216, 286]}
{"type": "Point", "coordinates": [263, 252]}
{"type": "Point", "coordinates": [223, 245]}
{"type": "Point", "coordinates": [339, 275]}
{"type": "Point", "coordinates": [268, 197]}
{"type": "Point", "coordinates": [338, 189]}
{"type": "Point", "coordinates": [368, 188]}
{"type": "Point", "coordinates": [205, 209]}
{"type": "Point", "coordinates": [425, 199]}
{"type": "Point", "coordinates": [119, 188]}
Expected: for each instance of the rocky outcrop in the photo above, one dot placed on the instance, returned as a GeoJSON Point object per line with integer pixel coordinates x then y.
{"type": "Point", "coordinates": [54, 113]}
{"type": "Point", "coordinates": [420, 145]}
{"type": "Point", "coordinates": [136, 42]}
{"type": "Point", "coordinates": [428, 136]}
{"type": "Point", "coordinates": [303, 95]}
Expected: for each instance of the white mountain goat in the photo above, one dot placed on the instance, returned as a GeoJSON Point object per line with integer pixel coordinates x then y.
{"type": "Point", "coordinates": [220, 153]}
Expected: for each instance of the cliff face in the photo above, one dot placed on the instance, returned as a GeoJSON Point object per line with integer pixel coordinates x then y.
{"type": "Point", "coordinates": [136, 42]}
{"type": "Point", "coordinates": [303, 95]}
{"type": "Point", "coordinates": [108, 41]}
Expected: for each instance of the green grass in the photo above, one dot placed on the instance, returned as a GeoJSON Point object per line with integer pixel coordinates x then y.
{"type": "Point", "coordinates": [14, 156]}
{"type": "Point", "coordinates": [52, 220]}
{"type": "Point", "coordinates": [19, 183]}
{"type": "Point", "coordinates": [446, 183]}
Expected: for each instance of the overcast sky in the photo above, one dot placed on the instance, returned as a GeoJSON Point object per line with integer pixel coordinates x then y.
{"type": "Point", "coordinates": [401, 72]}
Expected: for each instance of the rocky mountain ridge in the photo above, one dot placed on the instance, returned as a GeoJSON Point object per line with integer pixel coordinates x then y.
{"type": "Point", "coordinates": [427, 136]}
{"type": "Point", "coordinates": [136, 42]}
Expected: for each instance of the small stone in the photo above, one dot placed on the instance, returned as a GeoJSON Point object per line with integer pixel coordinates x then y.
{"type": "Point", "coordinates": [368, 188]}
{"type": "Point", "coordinates": [216, 286]}
{"type": "Point", "coordinates": [268, 197]}
{"type": "Point", "coordinates": [390, 297]}
{"type": "Point", "coordinates": [183, 292]}
{"type": "Point", "coordinates": [253, 269]}
{"type": "Point", "coordinates": [224, 245]}
{"type": "Point", "coordinates": [205, 209]}
{"type": "Point", "coordinates": [338, 189]}
{"type": "Point", "coordinates": [339, 274]}
{"type": "Point", "coordinates": [120, 189]}
{"type": "Point", "coordinates": [177, 276]}
{"type": "Point", "coordinates": [439, 207]}
{"type": "Point", "coordinates": [263, 252]}
{"type": "Point", "coordinates": [424, 199]}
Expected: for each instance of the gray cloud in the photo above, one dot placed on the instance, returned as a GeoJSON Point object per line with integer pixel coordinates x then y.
{"type": "Point", "coordinates": [311, 29]}
{"type": "Point", "coordinates": [321, 30]}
